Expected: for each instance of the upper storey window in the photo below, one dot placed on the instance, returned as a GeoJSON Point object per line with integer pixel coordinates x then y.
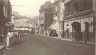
{"type": "Point", "coordinates": [76, 6]}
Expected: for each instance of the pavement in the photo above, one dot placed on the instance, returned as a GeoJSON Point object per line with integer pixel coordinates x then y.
{"type": "Point", "coordinates": [2, 46]}
{"type": "Point", "coordinates": [88, 43]}
{"type": "Point", "coordinates": [43, 45]}
{"type": "Point", "coordinates": [60, 38]}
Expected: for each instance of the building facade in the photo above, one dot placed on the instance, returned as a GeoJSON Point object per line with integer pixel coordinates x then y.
{"type": "Point", "coordinates": [78, 20]}
{"type": "Point", "coordinates": [5, 15]}
{"type": "Point", "coordinates": [58, 16]}
{"type": "Point", "coordinates": [46, 16]}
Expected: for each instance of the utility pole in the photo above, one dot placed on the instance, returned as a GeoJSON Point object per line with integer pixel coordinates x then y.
{"type": "Point", "coordinates": [94, 19]}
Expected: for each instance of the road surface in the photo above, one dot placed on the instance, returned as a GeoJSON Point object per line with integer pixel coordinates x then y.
{"type": "Point", "coordinates": [43, 45]}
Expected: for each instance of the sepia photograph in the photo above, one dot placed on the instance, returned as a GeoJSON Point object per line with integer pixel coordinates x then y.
{"type": "Point", "coordinates": [47, 27]}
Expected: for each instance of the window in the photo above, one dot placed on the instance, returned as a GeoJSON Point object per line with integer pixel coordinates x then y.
{"type": "Point", "coordinates": [73, 7]}
{"type": "Point", "coordinates": [5, 11]}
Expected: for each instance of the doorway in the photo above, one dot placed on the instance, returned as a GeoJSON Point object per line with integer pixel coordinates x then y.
{"type": "Point", "coordinates": [86, 32]}
{"type": "Point", "coordinates": [76, 31]}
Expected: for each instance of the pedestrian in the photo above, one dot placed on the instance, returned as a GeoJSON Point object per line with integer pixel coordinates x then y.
{"type": "Point", "coordinates": [9, 36]}
{"type": "Point", "coordinates": [1, 38]}
{"type": "Point", "coordinates": [86, 37]}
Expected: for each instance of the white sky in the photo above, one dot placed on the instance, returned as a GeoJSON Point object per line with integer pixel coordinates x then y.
{"type": "Point", "coordinates": [27, 7]}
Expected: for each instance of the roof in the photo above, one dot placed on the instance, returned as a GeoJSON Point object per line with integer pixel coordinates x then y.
{"type": "Point", "coordinates": [56, 1]}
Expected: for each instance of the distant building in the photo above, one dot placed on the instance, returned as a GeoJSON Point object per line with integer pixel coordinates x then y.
{"type": "Point", "coordinates": [46, 16]}
{"type": "Point", "coordinates": [21, 21]}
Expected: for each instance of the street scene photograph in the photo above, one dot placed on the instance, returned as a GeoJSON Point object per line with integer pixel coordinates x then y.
{"type": "Point", "coordinates": [47, 27]}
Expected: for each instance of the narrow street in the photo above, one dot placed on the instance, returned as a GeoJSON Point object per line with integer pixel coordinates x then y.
{"type": "Point", "coordinates": [71, 25]}
{"type": "Point", "coordinates": [42, 45]}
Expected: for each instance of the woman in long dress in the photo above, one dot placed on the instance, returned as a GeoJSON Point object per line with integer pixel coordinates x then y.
{"type": "Point", "coordinates": [9, 35]}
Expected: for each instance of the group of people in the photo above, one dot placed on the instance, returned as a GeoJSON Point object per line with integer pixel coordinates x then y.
{"type": "Point", "coordinates": [78, 36]}
{"type": "Point", "coordinates": [8, 39]}
{"type": "Point", "coordinates": [53, 33]}
{"type": "Point", "coordinates": [9, 36]}
{"type": "Point", "coordinates": [1, 38]}
{"type": "Point", "coordinates": [12, 37]}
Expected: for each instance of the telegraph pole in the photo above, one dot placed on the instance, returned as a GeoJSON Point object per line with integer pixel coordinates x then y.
{"type": "Point", "coordinates": [94, 19]}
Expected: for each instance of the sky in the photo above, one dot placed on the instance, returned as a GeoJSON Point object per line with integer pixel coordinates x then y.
{"type": "Point", "coordinates": [29, 8]}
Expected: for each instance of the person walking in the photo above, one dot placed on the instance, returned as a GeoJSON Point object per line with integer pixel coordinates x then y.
{"type": "Point", "coordinates": [9, 36]}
